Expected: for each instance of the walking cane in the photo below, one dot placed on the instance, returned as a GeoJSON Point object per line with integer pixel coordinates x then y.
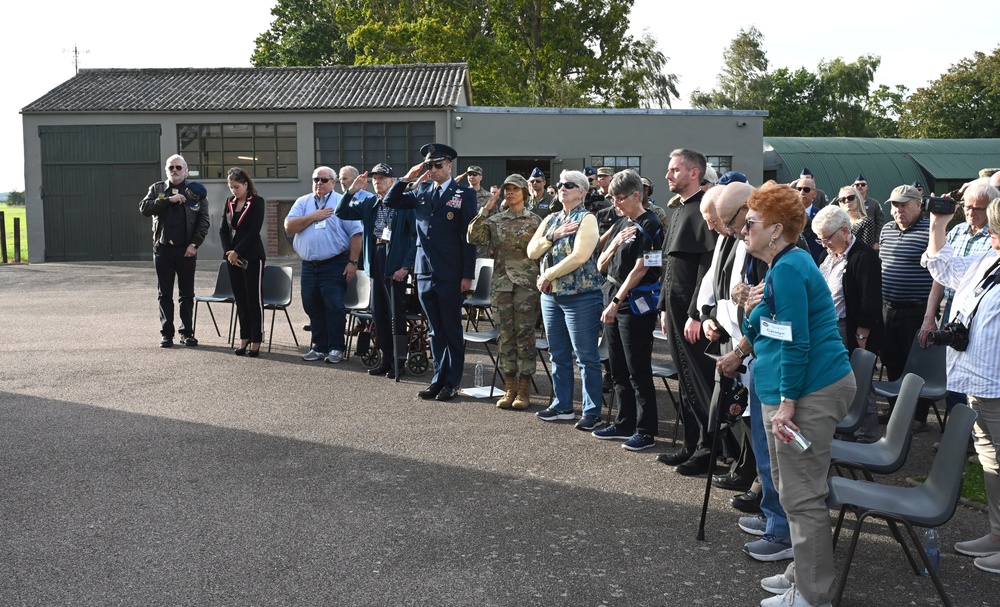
{"type": "Point", "coordinates": [395, 332]}
{"type": "Point", "coordinates": [723, 385]}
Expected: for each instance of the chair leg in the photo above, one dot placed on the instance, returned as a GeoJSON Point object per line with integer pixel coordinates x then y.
{"type": "Point", "coordinates": [232, 325]}
{"type": "Point", "coordinates": [842, 582]}
{"type": "Point", "coordinates": [290, 327]}
{"type": "Point", "coordinates": [894, 528]}
{"type": "Point", "coordinates": [270, 337]}
{"type": "Point", "coordinates": [677, 408]}
{"type": "Point", "coordinates": [927, 564]}
{"type": "Point", "coordinates": [937, 413]}
{"type": "Point", "coordinates": [840, 523]}
{"type": "Point", "coordinates": [210, 313]}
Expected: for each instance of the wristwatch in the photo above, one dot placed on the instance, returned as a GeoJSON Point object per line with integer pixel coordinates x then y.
{"type": "Point", "coordinates": [615, 299]}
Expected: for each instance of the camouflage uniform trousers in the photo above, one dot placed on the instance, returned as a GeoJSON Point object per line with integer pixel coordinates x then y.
{"type": "Point", "coordinates": [516, 316]}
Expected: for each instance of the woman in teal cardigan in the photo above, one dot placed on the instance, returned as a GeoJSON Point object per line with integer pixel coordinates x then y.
{"type": "Point", "coordinates": [804, 380]}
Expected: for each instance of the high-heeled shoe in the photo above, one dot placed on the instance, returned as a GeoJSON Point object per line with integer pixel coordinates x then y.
{"type": "Point", "coordinates": [242, 350]}
{"type": "Point", "coordinates": [254, 352]}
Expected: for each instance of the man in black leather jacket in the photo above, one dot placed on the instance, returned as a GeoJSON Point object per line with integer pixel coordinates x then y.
{"type": "Point", "coordinates": [180, 223]}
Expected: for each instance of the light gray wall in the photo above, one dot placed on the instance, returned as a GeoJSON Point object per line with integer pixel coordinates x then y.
{"type": "Point", "coordinates": [271, 189]}
{"type": "Point", "coordinates": [650, 134]}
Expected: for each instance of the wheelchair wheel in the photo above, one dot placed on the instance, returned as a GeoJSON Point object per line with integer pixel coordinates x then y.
{"type": "Point", "coordinates": [372, 358]}
{"type": "Point", "coordinates": [417, 363]}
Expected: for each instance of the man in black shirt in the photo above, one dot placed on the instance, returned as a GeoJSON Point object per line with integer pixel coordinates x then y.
{"type": "Point", "coordinates": [180, 223]}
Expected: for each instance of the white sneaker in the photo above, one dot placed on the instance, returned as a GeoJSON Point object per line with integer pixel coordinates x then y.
{"type": "Point", "coordinates": [791, 598]}
{"type": "Point", "coordinates": [989, 564]}
{"type": "Point", "coordinates": [776, 584]}
{"type": "Point", "coordinates": [754, 525]}
{"type": "Point", "coordinates": [983, 546]}
{"type": "Point", "coordinates": [335, 356]}
{"type": "Point", "coordinates": [313, 355]}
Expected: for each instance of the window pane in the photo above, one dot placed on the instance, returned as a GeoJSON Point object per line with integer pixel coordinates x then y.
{"type": "Point", "coordinates": [286, 130]}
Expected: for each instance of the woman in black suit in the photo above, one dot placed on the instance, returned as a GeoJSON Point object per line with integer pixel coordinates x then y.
{"type": "Point", "coordinates": [242, 219]}
{"type": "Point", "coordinates": [853, 272]}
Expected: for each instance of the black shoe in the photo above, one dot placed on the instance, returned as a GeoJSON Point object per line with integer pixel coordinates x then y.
{"type": "Point", "coordinates": [430, 391]}
{"type": "Point", "coordinates": [253, 353]}
{"type": "Point", "coordinates": [240, 351]}
{"type": "Point", "coordinates": [166, 341]}
{"type": "Point", "coordinates": [731, 481]}
{"type": "Point", "coordinates": [380, 370]}
{"type": "Point", "coordinates": [748, 502]}
{"type": "Point", "coordinates": [189, 340]}
{"type": "Point", "coordinates": [697, 465]}
{"type": "Point", "coordinates": [674, 459]}
{"type": "Point", "coordinates": [391, 373]}
{"type": "Point", "coordinates": [447, 393]}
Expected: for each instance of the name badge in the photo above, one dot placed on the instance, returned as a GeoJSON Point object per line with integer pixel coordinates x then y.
{"type": "Point", "coordinates": [320, 225]}
{"type": "Point", "coordinates": [386, 233]}
{"type": "Point", "coordinates": [776, 330]}
{"type": "Point", "coordinates": [652, 259]}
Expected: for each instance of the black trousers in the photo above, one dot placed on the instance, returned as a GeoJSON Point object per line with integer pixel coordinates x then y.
{"type": "Point", "coordinates": [382, 310]}
{"type": "Point", "coordinates": [249, 299]}
{"type": "Point", "coordinates": [630, 351]}
{"type": "Point", "coordinates": [169, 262]}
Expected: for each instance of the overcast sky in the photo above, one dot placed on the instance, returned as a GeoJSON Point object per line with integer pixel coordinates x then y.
{"type": "Point", "coordinates": [915, 48]}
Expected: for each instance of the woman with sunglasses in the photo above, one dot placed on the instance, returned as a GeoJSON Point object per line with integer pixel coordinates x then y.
{"type": "Point", "coordinates": [242, 219]}
{"type": "Point", "coordinates": [862, 226]}
{"type": "Point", "coordinates": [571, 300]}
{"type": "Point", "coordinates": [512, 289]}
{"type": "Point", "coordinates": [804, 382]}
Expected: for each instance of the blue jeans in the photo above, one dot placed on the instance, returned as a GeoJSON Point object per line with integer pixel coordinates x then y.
{"type": "Point", "coordinates": [777, 522]}
{"type": "Point", "coordinates": [323, 289]}
{"type": "Point", "coordinates": [572, 325]}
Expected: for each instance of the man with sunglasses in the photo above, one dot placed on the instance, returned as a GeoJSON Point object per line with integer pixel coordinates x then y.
{"type": "Point", "coordinates": [475, 176]}
{"type": "Point", "coordinates": [820, 200]}
{"type": "Point", "coordinates": [445, 260]}
{"type": "Point", "coordinates": [872, 206]}
{"type": "Point", "coordinates": [807, 194]}
{"type": "Point", "coordinates": [597, 198]}
{"type": "Point", "coordinates": [180, 223]}
{"type": "Point", "coordinates": [540, 202]}
{"type": "Point", "coordinates": [329, 248]}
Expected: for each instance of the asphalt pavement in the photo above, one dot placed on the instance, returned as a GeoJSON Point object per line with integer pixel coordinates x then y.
{"type": "Point", "coordinates": [135, 475]}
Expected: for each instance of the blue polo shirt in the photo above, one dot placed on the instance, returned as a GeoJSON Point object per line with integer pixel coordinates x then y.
{"type": "Point", "coordinates": [334, 238]}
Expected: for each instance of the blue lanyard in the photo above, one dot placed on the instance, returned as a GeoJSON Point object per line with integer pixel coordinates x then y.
{"type": "Point", "coordinates": [768, 284]}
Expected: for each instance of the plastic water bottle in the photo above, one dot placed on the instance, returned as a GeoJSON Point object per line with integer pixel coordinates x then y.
{"type": "Point", "coordinates": [932, 547]}
{"type": "Point", "coordinates": [479, 374]}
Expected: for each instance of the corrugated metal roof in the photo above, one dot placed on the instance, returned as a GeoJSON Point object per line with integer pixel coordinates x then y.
{"type": "Point", "coordinates": [885, 163]}
{"type": "Point", "coordinates": [341, 87]}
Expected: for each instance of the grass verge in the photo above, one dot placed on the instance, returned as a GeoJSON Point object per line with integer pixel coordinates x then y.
{"type": "Point", "coordinates": [9, 214]}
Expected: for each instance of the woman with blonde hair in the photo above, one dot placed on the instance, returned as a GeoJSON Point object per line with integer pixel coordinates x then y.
{"type": "Point", "coordinates": [862, 226]}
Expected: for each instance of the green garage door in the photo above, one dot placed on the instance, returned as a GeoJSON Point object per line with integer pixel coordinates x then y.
{"type": "Point", "coordinates": [93, 177]}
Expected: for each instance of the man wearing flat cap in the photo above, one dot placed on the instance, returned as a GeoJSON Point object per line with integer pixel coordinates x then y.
{"type": "Point", "coordinates": [540, 202]}
{"type": "Point", "coordinates": [389, 238]}
{"type": "Point", "coordinates": [910, 297]}
{"type": "Point", "coordinates": [180, 223]}
{"type": "Point", "coordinates": [445, 262]}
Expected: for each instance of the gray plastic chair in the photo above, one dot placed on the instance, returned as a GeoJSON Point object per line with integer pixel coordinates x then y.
{"type": "Point", "coordinates": [481, 299]}
{"type": "Point", "coordinates": [276, 290]}
{"type": "Point", "coordinates": [223, 294]}
{"type": "Point", "coordinates": [930, 364]}
{"type": "Point", "coordinates": [888, 454]}
{"type": "Point", "coordinates": [863, 365]}
{"type": "Point", "coordinates": [932, 504]}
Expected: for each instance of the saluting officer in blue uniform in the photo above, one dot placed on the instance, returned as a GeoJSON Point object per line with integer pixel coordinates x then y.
{"type": "Point", "coordinates": [445, 262]}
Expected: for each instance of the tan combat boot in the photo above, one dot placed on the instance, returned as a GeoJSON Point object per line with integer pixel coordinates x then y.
{"type": "Point", "coordinates": [510, 387]}
{"type": "Point", "coordinates": [523, 400]}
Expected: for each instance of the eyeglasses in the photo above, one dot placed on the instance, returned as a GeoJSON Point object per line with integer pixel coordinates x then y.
{"type": "Point", "coordinates": [175, 167]}
{"type": "Point", "coordinates": [535, 180]}
{"type": "Point", "coordinates": [473, 174]}
{"type": "Point", "coordinates": [804, 189]}
{"type": "Point", "coordinates": [861, 184]}
{"type": "Point", "coordinates": [729, 223]}
{"type": "Point", "coordinates": [433, 165]}
{"type": "Point", "coordinates": [844, 199]}
{"type": "Point", "coordinates": [750, 222]}
{"type": "Point", "coordinates": [971, 209]}
{"type": "Point", "coordinates": [322, 179]}
{"type": "Point", "coordinates": [825, 241]}
{"type": "Point", "coordinates": [569, 185]}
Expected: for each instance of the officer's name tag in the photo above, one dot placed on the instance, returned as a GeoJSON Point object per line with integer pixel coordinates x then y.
{"type": "Point", "coordinates": [775, 329]}
{"type": "Point", "coordinates": [320, 225]}
{"type": "Point", "coordinates": [386, 234]}
{"type": "Point", "coordinates": [652, 259]}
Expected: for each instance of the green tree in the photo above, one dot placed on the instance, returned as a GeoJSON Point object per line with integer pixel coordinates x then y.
{"type": "Point", "coordinates": [743, 83]}
{"type": "Point", "coordinates": [520, 52]}
{"type": "Point", "coordinates": [15, 198]}
{"type": "Point", "coordinates": [964, 103]}
{"type": "Point", "coordinates": [884, 107]}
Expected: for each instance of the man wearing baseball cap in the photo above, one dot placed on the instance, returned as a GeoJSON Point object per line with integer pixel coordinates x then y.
{"type": "Point", "coordinates": [445, 261]}
{"type": "Point", "coordinates": [389, 238]}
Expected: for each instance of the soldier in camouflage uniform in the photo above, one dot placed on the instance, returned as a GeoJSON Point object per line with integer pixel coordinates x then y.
{"type": "Point", "coordinates": [513, 291]}
{"type": "Point", "coordinates": [541, 202]}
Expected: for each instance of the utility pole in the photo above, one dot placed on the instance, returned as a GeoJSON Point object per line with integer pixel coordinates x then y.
{"type": "Point", "coordinates": [76, 57]}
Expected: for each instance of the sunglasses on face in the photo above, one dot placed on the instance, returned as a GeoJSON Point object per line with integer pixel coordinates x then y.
{"type": "Point", "coordinates": [569, 185]}
{"type": "Point", "coordinates": [433, 165]}
{"type": "Point", "coordinates": [846, 199]}
{"type": "Point", "coordinates": [750, 222]}
{"type": "Point", "coordinates": [175, 167]}
{"type": "Point", "coordinates": [535, 181]}
{"type": "Point", "coordinates": [861, 184]}
{"type": "Point", "coordinates": [804, 189]}
{"type": "Point", "coordinates": [474, 174]}
{"type": "Point", "coordinates": [321, 180]}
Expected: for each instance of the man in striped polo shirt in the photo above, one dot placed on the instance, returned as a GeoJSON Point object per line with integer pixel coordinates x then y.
{"type": "Point", "coordinates": [910, 296]}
